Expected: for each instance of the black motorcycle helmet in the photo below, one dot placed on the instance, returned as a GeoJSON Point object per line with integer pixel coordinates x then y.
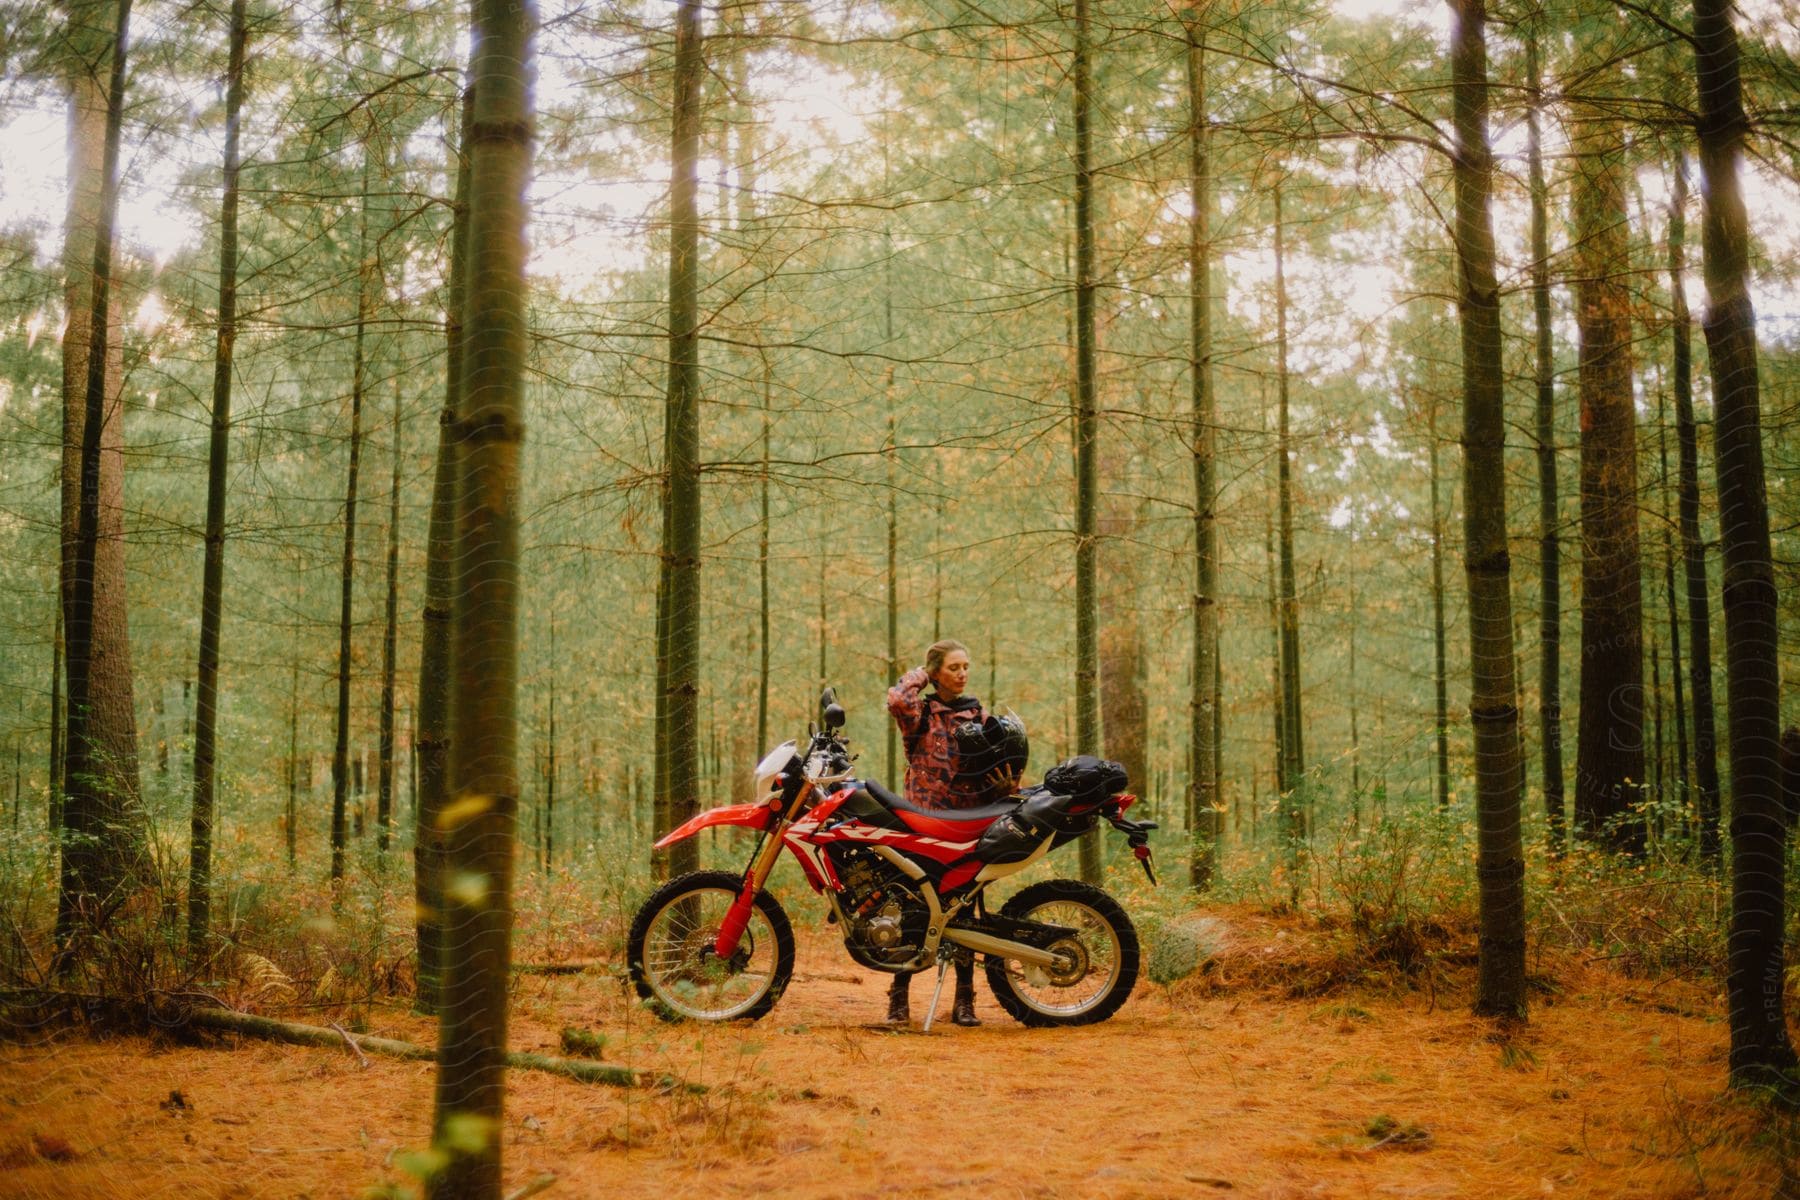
{"type": "Point", "coordinates": [986, 746]}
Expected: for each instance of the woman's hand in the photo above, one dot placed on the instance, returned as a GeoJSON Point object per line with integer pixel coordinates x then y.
{"type": "Point", "coordinates": [1003, 780]}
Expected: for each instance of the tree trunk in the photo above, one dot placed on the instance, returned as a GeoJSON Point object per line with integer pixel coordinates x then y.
{"type": "Point", "coordinates": [1760, 1050]}
{"type": "Point", "coordinates": [1294, 803]}
{"type": "Point", "coordinates": [1087, 613]}
{"type": "Point", "coordinates": [679, 792]}
{"type": "Point", "coordinates": [384, 788]}
{"type": "Point", "coordinates": [1674, 603]}
{"type": "Point", "coordinates": [550, 764]}
{"type": "Point", "coordinates": [1549, 551]}
{"type": "Point", "coordinates": [436, 638]}
{"type": "Point", "coordinates": [218, 455]}
{"type": "Point", "coordinates": [1355, 736]}
{"type": "Point", "coordinates": [479, 822]}
{"type": "Point", "coordinates": [293, 766]}
{"type": "Point", "coordinates": [1440, 675]}
{"type": "Point", "coordinates": [54, 817]}
{"type": "Point", "coordinates": [1693, 550]}
{"type": "Point", "coordinates": [893, 518]}
{"type": "Point", "coordinates": [1658, 780]}
{"type": "Point", "coordinates": [1609, 771]}
{"type": "Point", "coordinates": [1122, 719]}
{"type": "Point", "coordinates": [1203, 808]}
{"type": "Point", "coordinates": [1277, 705]}
{"type": "Point", "coordinates": [1493, 697]}
{"type": "Point", "coordinates": [823, 573]}
{"type": "Point", "coordinates": [104, 842]}
{"type": "Point", "coordinates": [340, 754]}
{"type": "Point", "coordinates": [893, 572]}
{"type": "Point", "coordinates": [762, 575]}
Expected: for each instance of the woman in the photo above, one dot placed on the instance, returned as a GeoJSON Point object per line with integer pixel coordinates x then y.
{"type": "Point", "coordinates": [928, 722]}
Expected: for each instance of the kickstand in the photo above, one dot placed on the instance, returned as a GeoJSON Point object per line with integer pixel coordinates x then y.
{"type": "Point", "coordinates": [936, 992]}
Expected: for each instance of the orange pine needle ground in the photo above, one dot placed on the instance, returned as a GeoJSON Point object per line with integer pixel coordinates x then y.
{"type": "Point", "coordinates": [1612, 1090]}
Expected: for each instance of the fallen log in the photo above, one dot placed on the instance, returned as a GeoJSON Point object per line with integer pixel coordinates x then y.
{"type": "Point", "coordinates": [230, 1021]}
{"type": "Point", "coordinates": [557, 968]}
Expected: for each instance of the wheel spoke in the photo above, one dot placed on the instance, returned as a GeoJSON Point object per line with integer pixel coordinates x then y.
{"type": "Point", "coordinates": [684, 973]}
{"type": "Point", "coordinates": [1092, 953]}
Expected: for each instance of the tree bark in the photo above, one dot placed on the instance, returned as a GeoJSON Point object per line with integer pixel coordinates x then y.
{"type": "Point", "coordinates": [103, 826]}
{"type": "Point", "coordinates": [479, 822]}
{"type": "Point", "coordinates": [762, 576]}
{"type": "Point", "coordinates": [340, 754]}
{"type": "Point", "coordinates": [1760, 1050]}
{"type": "Point", "coordinates": [1609, 754]}
{"type": "Point", "coordinates": [206, 707]}
{"type": "Point", "coordinates": [384, 787]}
{"type": "Point", "coordinates": [1674, 603]}
{"type": "Point", "coordinates": [1493, 703]}
{"type": "Point", "coordinates": [678, 791]}
{"type": "Point", "coordinates": [1294, 801]}
{"type": "Point", "coordinates": [550, 764]}
{"type": "Point", "coordinates": [1549, 548]}
{"type": "Point", "coordinates": [1087, 612]}
{"type": "Point", "coordinates": [1693, 550]}
{"type": "Point", "coordinates": [1440, 681]}
{"type": "Point", "coordinates": [1122, 717]}
{"type": "Point", "coordinates": [1203, 808]}
{"type": "Point", "coordinates": [293, 765]}
{"type": "Point", "coordinates": [1277, 705]}
{"type": "Point", "coordinates": [54, 817]}
{"type": "Point", "coordinates": [437, 659]}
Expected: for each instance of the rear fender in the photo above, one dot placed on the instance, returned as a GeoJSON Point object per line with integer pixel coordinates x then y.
{"type": "Point", "coordinates": [749, 816]}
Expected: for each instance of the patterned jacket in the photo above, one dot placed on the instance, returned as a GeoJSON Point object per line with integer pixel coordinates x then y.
{"type": "Point", "coordinates": [926, 727]}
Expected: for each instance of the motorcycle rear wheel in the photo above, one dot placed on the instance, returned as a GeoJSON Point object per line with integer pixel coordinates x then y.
{"type": "Point", "coordinates": [1100, 958]}
{"type": "Point", "coordinates": [674, 966]}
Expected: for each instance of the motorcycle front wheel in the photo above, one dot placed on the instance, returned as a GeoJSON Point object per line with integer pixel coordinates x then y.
{"type": "Point", "coordinates": [1098, 959]}
{"type": "Point", "coordinates": [674, 965]}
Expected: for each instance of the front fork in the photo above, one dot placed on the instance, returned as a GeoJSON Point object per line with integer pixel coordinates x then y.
{"type": "Point", "coordinates": [737, 917]}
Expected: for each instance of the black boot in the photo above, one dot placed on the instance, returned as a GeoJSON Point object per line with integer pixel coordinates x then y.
{"type": "Point", "coordinates": [962, 1011]}
{"type": "Point", "coordinates": [898, 992]}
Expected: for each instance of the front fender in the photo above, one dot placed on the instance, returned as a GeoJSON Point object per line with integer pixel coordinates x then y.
{"type": "Point", "coordinates": [750, 816]}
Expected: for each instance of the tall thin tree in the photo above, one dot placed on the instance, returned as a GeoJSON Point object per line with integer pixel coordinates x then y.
{"type": "Point", "coordinates": [1693, 549]}
{"type": "Point", "coordinates": [340, 753]}
{"type": "Point", "coordinates": [1493, 701]}
{"type": "Point", "coordinates": [1609, 749]}
{"type": "Point", "coordinates": [1761, 1052]}
{"type": "Point", "coordinates": [1087, 611]}
{"type": "Point", "coordinates": [1440, 675]}
{"type": "Point", "coordinates": [1203, 809]}
{"type": "Point", "coordinates": [1293, 750]}
{"type": "Point", "coordinates": [103, 835]}
{"type": "Point", "coordinates": [212, 584]}
{"type": "Point", "coordinates": [384, 787]}
{"type": "Point", "coordinates": [1544, 380]}
{"type": "Point", "coordinates": [102, 829]}
{"type": "Point", "coordinates": [480, 820]}
{"type": "Point", "coordinates": [437, 635]}
{"type": "Point", "coordinates": [678, 785]}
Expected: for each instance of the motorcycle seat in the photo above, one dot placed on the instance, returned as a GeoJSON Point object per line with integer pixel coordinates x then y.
{"type": "Point", "coordinates": [970, 820]}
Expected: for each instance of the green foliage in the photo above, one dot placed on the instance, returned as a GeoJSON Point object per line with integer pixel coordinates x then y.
{"type": "Point", "coordinates": [1650, 918]}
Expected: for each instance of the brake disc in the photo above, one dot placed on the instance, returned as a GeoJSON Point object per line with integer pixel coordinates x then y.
{"type": "Point", "coordinates": [1070, 969]}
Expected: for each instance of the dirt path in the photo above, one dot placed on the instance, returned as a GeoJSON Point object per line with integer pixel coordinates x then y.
{"type": "Point", "coordinates": [1612, 1092]}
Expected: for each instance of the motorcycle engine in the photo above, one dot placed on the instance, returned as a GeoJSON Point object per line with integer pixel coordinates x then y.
{"type": "Point", "coordinates": [886, 917]}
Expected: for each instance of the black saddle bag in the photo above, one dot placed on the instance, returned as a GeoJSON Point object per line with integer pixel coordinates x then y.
{"type": "Point", "coordinates": [1087, 781]}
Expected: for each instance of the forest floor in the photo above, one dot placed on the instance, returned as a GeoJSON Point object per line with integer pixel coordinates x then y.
{"type": "Point", "coordinates": [1225, 1083]}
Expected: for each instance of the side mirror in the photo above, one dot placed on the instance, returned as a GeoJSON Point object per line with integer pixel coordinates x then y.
{"type": "Point", "coordinates": [829, 709]}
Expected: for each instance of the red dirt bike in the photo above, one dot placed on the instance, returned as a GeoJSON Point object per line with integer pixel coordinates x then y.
{"type": "Point", "coordinates": [905, 885]}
